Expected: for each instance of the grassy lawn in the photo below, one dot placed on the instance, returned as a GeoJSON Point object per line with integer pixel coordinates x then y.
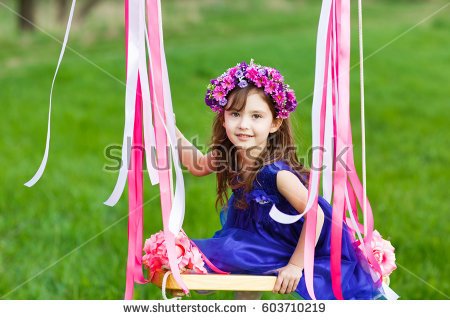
{"type": "Point", "coordinates": [58, 240]}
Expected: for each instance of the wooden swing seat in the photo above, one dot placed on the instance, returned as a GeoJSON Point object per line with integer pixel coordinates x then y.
{"type": "Point", "coordinates": [216, 282]}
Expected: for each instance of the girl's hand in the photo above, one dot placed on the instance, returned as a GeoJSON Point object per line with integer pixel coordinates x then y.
{"type": "Point", "coordinates": [288, 279]}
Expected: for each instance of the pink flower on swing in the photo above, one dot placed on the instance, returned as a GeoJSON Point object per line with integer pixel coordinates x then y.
{"type": "Point", "coordinates": [155, 259]}
{"type": "Point", "coordinates": [383, 252]}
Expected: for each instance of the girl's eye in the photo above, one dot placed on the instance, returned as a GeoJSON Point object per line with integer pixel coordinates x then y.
{"type": "Point", "coordinates": [235, 114]}
{"type": "Point", "coordinates": [256, 116]}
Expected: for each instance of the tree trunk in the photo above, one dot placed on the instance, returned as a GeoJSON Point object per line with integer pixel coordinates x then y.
{"type": "Point", "coordinates": [88, 6]}
{"type": "Point", "coordinates": [62, 10]}
{"type": "Point", "coordinates": [26, 15]}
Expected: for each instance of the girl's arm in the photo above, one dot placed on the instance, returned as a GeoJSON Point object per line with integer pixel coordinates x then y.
{"type": "Point", "coordinates": [196, 162]}
{"type": "Point", "coordinates": [297, 195]}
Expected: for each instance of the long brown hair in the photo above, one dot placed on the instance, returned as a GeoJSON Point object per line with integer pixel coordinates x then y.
{"type": "Point", "coordinates": [280, 146]}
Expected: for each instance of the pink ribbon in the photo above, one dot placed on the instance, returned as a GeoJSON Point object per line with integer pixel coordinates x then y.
{"type": "Point", "coordinates": [159, 95]}
{"type": "Point", "coordinates": [340, 175]}
{"type": "Point", "coordinates": [157, 98]}
{"type": "Point", "coordinates": [134, 262]}
{"type": "Point", "coordinates": [135, 190]}
{"type": "Point", "coordinates": [333, 59]}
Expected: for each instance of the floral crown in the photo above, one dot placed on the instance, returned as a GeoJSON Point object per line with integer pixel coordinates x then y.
{"type": "Point", "coordinates": [241, 75]}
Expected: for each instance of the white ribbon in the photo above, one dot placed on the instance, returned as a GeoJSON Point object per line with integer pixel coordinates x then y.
{"type": "Point", "coordinates": [352, 218]}
{"type": "Point", "coordinates": [130, 98]}
{"type": "Point", "coordinates": [178, 204]}
{"type": "Point", "coordinates": [389, 293]}
{"type": "Point", "coordinates": [149, 130]}
{"type": "Point", "coordinates": [363, 127]}
{"type": "Point", "coordinates": [328, 153]}
{"type": "Point", "coordinates": [41, 168]}
{"type": "Point", "coordinates": [274, 213]}
{"type": "Point", "coordinates": [317, 98]}
{"type": "Point", "coordinates": [284, 218]}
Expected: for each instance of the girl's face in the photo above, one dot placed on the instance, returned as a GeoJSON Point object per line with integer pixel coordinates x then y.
{"type": "Point", "coordinates": [250, 127]}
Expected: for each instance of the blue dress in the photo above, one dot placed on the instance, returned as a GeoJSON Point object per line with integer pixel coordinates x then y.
{"type": "Point", "coordinates": [251, 242]}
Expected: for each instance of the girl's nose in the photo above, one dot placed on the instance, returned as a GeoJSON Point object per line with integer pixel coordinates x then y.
{"type": "Point", "coordinates": [244, 123]}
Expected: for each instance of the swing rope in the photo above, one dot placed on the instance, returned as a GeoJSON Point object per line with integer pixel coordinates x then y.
{"type": "Point", "coordinates": [363, 127]}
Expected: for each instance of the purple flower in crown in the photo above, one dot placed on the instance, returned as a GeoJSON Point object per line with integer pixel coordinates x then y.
{"type": "Point", "coordinates": [242, 84]}
{"type": "Point", "coordinates": [290, 106]}
{"type": "Point", "coordinates": [208, 101]}
{"type": "Point", "coordinates": [223, 102]}
{"type": "Point", "coordinates": [243, 65]}
{"type": "Point", "coordinates": [262, 72]}
{"type": "Point", "coordinates": [228, 83]}
{"type": "Point", "coordinates": [239, 73]}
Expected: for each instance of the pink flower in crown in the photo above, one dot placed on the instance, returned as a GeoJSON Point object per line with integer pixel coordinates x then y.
{"type": "Point", "coordinates": [228, 83]}
{"type": "Point", "coordinates": [279, 97]}
{"type": "Point", "coordinates": [383, 251]}
{"type": "Point", "coordinates": [232, 71]}
{"type": "Point", "coordinates": [260, 81]}
{"type": "Point", "coordinates": [270, 87]}
{"type": "Point", "coordinates": [283, 114]}
{"type": "Point", "coordinates": [290, 96]}
{"type": "Point", "coordinates": [252, 73]}
{"type": "Point", "coordinates": [276, 76]}
{"type": "Point", "coordinates": [217, 108]}
{"type": "Point", "coordinates": [219, 93]}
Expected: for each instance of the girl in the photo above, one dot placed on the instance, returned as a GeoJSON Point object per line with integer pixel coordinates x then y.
{"type": "Point", "coordinates": [253, 154]}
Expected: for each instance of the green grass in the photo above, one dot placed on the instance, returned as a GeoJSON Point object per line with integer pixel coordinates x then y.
{"type": "Point", "coordinates": [58, 241]}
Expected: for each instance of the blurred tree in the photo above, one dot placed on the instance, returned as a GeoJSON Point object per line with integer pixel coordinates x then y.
{"type": "Point", "coordinates": [62, 10]}
{"type": "Point", "coordinates": [26, 15]}
{"type": "Point", "coordinates": [86, 8]}
{"type": "Point", "coordinates": [27, 12]}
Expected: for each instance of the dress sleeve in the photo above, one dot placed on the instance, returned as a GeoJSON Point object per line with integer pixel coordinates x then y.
{"type": "Point", "coordinates": [279, 166]}
{"type": "Point", "coordinates": [267, 178]}
{"type": "Point", "coordinates": [269, 184]}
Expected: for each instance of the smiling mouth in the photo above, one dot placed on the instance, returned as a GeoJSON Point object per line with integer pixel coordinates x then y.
{"type": "Point", "coordinates": [244, 136]}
